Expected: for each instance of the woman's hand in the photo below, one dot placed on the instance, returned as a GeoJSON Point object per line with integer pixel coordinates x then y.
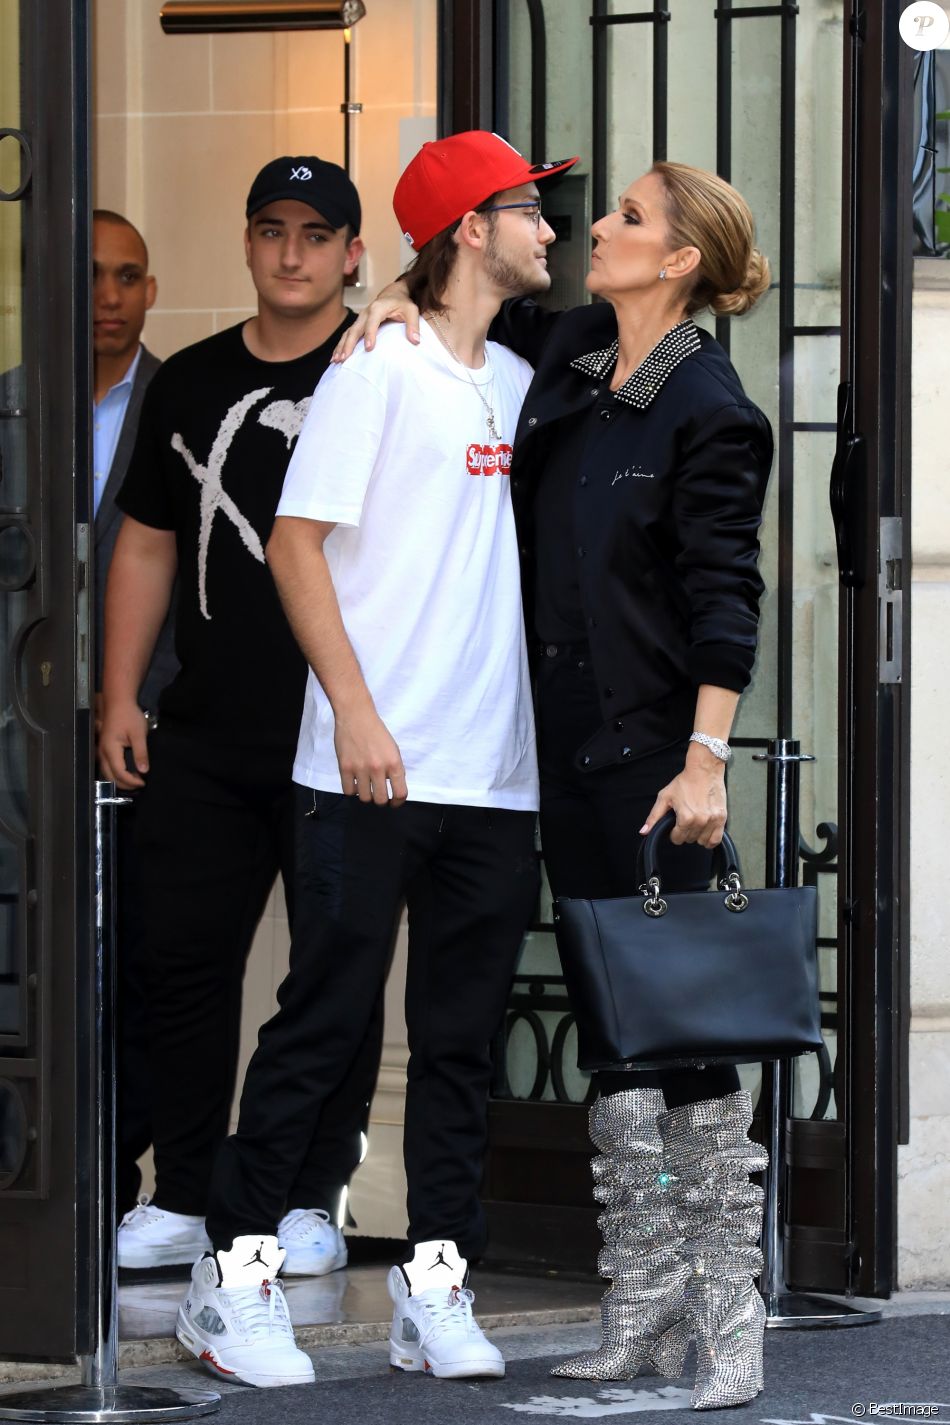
{"type": "Point", "coordinates": [392, 304]}
{"type": "Point", "coordinates": [698, 797]}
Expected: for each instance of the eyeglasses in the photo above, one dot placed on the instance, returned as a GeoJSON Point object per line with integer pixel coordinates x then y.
{"type": "Point", "coordinates": [532, 210]}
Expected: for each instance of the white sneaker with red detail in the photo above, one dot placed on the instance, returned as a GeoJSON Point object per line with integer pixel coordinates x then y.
{"type": "Point", "coordinates": [433, 1327]}
{"type": "Point", "coordinates": [148, 1236]}
{"type": "Point", "coordinates": [234, 1317]}
{"type": "Point", "coordinates": [312, 1244]}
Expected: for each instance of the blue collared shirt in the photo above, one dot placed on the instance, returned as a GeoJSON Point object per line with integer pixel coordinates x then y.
{"type": "Point", "coordinates": [107, 418]}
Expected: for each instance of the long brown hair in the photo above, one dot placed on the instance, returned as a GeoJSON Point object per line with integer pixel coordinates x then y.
{"type": "Point", "coordinates": [427, 277]}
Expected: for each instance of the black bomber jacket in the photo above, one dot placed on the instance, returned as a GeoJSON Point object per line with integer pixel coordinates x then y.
{"type": "Point", "coordinates": [666, 515]}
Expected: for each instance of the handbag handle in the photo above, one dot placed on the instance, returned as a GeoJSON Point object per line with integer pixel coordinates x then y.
{"type": "Point", "coordinates": [725, 862]}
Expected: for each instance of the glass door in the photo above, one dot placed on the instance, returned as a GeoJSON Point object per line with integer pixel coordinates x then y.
{"type": "Point", "coordinates": [45, 749]}
{"type": "Point", "coordinates": [16, 569]}
{"type": "Point", "coordinates": [755, 93]}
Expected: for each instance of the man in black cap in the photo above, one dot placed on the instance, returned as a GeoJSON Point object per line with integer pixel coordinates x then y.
{"type": "Point", "coordinates": [215, 815]}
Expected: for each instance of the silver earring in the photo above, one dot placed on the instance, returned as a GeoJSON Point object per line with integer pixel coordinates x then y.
{"type": "Point", "coordinates": [662, 274]}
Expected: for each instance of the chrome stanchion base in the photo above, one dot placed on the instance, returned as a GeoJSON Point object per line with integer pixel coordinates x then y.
{"type": "Point", "coordinates": [799, 1311]}
{"type": "Point", "coordinates": [90, 1403]}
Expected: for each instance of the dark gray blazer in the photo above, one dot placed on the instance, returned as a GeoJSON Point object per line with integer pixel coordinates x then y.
{"type": "Point", "coordinates": [164, 664]}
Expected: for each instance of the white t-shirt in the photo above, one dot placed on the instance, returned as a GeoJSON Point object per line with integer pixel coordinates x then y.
{"type": "Point", "coordinates": [395, 450]}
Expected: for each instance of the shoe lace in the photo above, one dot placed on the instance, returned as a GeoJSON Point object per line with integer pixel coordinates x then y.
{"type": "Point", "coordinates": [260, 1310]}
{"type": "Point", "coordinates": [304, 1222]}
{"type": "Point", "coordinates": [450, 1313]}
{"type": "Point", "coordinates": [142, 1213]}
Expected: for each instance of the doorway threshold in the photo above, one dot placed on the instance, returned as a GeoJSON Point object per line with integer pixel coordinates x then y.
{"type": "Point", "coordinates": [348, 1307]}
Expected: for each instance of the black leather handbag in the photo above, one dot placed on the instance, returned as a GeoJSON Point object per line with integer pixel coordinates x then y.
{"type": "Point", "coordinates": [692, 977]}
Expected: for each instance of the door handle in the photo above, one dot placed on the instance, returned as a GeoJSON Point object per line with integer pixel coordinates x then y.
{"type": "Point", "coordinates": [846, 490]}
{"type": "Point", "coordinates": [13, 195]}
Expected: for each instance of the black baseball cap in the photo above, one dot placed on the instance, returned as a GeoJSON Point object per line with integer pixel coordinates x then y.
{"type": "Point", "coordinates": [324, 186]}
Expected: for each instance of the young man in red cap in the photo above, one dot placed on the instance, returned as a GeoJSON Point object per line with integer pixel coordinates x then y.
{"type": "Point", "coordinates": [215, 818]}
{"type": "Point", "coordinates": [395, 556]}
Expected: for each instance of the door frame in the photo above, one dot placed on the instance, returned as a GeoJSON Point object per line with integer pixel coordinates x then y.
{"type": "Point", "coordinates": [46, 1218]}
{"type": "Point", "coordinates": [874, 713]}
{"type": "Point", "coordinates": [874, 719]}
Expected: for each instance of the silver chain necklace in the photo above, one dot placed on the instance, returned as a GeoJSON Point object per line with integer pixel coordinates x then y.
{"type": "Point", "coordinates": [489, 409]}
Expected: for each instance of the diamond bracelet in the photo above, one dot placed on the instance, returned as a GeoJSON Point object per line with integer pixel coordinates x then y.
{"type": "Point", "coordinates": [717, 747]}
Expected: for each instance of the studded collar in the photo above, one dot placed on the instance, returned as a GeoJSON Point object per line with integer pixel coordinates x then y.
{"type": "Point", "coordinates": [640, 388]}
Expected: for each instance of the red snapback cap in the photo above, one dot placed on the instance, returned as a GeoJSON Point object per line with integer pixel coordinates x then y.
{"type": "Point", "coordinates": [449, 177]}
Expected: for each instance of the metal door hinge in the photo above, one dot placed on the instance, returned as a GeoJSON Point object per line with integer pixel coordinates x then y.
{"type": "Point", "coordinates": [890, 576]}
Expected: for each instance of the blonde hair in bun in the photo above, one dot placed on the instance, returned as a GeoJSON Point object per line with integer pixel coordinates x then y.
{"type": "Point", "coordinates": [706, 212]}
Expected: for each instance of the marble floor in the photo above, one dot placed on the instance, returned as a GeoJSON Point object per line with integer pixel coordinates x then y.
{"type": "Point", "coordinates": [356, 1300]}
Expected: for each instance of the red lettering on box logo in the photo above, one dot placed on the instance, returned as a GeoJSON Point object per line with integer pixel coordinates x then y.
{"type": "Point", "coordinates": [488, 459]}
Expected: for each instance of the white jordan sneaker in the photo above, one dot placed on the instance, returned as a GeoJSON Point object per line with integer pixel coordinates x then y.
{"type": "Point", "coordinates": [311, 1243]}
{"type": "Point", "coordinates": [234, 1317]}
{"type": "Point", "coordinates": [433, 1327]}
{"type": "Point", "coordinates": [148, 1236]}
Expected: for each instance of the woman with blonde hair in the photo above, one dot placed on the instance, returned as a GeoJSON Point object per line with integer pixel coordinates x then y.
{"type": "Point", "coordinates": [638, 479]}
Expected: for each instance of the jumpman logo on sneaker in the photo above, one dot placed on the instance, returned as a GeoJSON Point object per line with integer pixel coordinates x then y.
{"type": "Point", "coordinates": [256, 1258]}
{"type": "Point", "coordinates": [439, 1261]}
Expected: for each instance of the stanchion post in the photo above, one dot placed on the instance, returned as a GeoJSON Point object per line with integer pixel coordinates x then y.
{"type": "Point", "coordinates": [100, 1367]}
{"type": "Point", "coordinates": [784, 1308]}
{"type": "Point", "coordinates": [99, 1397]}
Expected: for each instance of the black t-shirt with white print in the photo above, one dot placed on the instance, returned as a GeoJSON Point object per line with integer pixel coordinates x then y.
{"type": "Point", "coordinates": [217, 429]}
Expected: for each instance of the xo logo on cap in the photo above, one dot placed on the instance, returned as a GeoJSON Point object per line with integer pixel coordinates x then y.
{"type": "Point", "coordinates": [305, 174]}
{"type": "Point", "coordinates": [924, 25]}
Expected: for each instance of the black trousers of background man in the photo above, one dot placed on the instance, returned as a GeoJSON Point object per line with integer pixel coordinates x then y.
{"type": "Point", "coordinates": [214, 826]}
{"type": "Point", "coordinates": [590, 824]}
{"type": "Point", "coordinates": [469, 876]}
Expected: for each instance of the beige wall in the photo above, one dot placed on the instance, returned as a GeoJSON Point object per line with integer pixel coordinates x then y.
{"type": "Point", "coordinates": [924, 1164]}
{"type": "Point", "coordinates": [182, 124]}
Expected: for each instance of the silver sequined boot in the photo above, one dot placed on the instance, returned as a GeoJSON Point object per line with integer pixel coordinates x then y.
{"type": "Point", "coordinates": [642, 1313]}
{"type": "Point", "coordinates": [709, 1157]}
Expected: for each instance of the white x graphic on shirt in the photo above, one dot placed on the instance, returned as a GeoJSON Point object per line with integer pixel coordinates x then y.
{"type": "Point", "coordinates": [213, 497]}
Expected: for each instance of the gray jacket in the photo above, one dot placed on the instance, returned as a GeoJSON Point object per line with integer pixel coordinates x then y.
{"type": "Point", "coordinates": [164, 664]}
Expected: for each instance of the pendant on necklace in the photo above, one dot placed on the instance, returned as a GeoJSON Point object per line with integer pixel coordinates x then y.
{"type": "Point", "coordinates": [492, 429]}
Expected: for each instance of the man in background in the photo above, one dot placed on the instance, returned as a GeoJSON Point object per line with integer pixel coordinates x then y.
{"type": "Point", "coordinates": [216, 818]}
{"type": "Point", "coordinates": [122, 294]}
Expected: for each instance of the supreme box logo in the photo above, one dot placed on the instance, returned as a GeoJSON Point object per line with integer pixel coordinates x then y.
{"type": "Point", "coordinates": [488, 459]}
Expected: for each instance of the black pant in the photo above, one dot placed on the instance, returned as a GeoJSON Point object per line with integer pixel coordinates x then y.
{"type": "Point", "coordinates": [470, 880]}
{"type": "Point", "coordinates": [590, 824]}
{"type": "Point", "coordinates": [214, 826]}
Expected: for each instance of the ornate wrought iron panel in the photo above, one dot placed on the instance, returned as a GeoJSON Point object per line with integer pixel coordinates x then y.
{"type": "Point", "coordinates": [765, 94]}
{"type": "Point", "coordinates": [675, 79]}
{"type": "Point", "coordinates": [45, 738]}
